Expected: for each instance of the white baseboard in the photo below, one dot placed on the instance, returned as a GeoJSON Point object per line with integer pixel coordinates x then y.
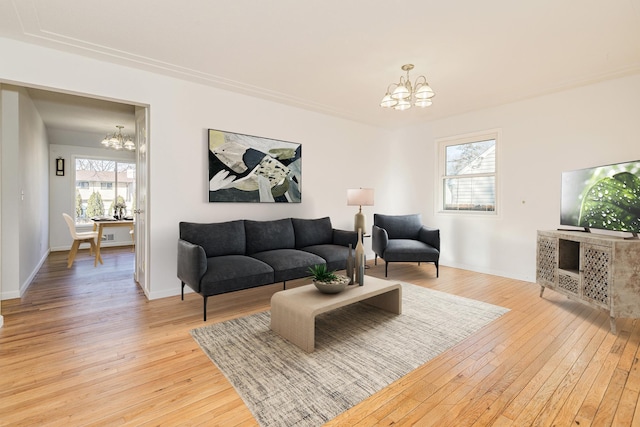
{"type": "Point", "coordinates": [24, 286]}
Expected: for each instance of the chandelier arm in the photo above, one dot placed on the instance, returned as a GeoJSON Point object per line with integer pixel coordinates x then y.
{"type": "Point", "coordinates": [424, 81]}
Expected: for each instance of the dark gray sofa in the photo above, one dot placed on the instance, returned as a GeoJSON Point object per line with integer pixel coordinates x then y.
{"type": "Point", "coordinates": [403, 238]}
{"type": "Point", "coordinates": [217, 258]}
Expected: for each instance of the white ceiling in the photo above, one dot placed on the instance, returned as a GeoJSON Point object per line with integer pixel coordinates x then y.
{"type": "Point", "coordinates": [338, 56]}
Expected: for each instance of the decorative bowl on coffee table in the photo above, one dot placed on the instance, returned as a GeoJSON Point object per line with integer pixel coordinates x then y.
{"type": "Point", "coordinates": [334, 286]}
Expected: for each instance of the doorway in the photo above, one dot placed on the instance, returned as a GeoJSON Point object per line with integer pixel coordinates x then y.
{"type": "Point", "coordinates": [72, 120]}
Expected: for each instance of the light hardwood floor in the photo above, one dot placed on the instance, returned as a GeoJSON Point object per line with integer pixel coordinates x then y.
{"type": "Point", "coordinates": [85, 347]}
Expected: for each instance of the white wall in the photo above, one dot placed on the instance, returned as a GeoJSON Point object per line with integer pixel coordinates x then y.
{"type": "Point", "coordinates": [336, 154]}
{"type": "Point", "coordinates": [25, 191]}
{"type": "Point", "coordinates": [541, 138]}
{"type": "Point", "coordinates": [63, 191]}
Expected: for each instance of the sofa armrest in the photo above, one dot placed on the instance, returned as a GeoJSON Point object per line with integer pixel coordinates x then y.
{"type": "Point", "coordinates": [430, 236]}
{"type": "Point", "coordinates": [379, 240]}
{"type": "Point", "coordinates": [345, 237]}
{"type": "Point", "coordinates": [192, 263]}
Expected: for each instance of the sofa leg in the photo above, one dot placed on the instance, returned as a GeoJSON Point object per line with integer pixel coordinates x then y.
{"type": "Point", "coordinates": [182, 291]}
{"type": "Point", "coordinates": [205, 308]}
{"type": "Point", "coordinates": [386, 268]}
{"type": "Point", "coordinates": [437, 270]}
{"type": "Point", "coordinates": [375, 259]}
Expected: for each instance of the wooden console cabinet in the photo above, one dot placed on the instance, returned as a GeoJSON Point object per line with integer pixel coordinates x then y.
{"type": "Point", "coordinates": [598, 270]}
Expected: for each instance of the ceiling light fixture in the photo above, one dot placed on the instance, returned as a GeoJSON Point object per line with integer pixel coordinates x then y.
{"type": "Point", "coordinates": [118, 141]}
{"type": "Point", "coordinates": [401, 96]}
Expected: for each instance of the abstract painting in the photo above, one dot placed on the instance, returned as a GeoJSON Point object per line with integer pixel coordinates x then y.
{"type": "Point", "coordinates": [245, 168]}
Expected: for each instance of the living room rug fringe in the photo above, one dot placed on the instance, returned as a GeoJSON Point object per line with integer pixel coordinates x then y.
{"type": "Point", "coordinates": [359, 351]}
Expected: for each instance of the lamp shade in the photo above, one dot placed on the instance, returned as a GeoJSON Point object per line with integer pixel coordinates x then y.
{"type": "Point", "coordinates": [360, 197]}
{"type": "Point", "coordinates": [423, 102]}
{"type": "Point", "coordinates": [401, 92]}
{"type": "Point", "coordinates": [388, 101]}
{"type": "Point", "coordinates": [402, 105]}
{"type": "Point", "coordinates": [424, 92]}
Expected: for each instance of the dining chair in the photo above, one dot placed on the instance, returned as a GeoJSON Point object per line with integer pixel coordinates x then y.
{"type": "Point", "coordinates": [78, 238]}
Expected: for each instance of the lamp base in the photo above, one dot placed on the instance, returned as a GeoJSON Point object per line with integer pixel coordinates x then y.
{"type": "Point", "coordinates": [358, 222]}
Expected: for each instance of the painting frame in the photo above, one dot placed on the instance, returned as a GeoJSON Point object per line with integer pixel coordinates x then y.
{"type": "Point", "coordinates": [252, 169]}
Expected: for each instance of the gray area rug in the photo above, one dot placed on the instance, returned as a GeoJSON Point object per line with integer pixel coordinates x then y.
{"type": "Point", "coordinates": [359, 351]}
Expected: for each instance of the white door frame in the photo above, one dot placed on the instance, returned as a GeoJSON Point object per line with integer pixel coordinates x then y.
{"type": "Point", "coordinates": [141, 271]}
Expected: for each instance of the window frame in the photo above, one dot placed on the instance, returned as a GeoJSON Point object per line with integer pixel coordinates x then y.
{"type": "Point", "coordinates": [116, 160]}
{"type": "Point", "coordinates": [441, 146]}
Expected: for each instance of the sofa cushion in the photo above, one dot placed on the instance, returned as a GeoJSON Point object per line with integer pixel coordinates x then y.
{"type": "Point", "coordinates": [399, 226]}
{"type": "Point", "coordinates": [407, 250]}
{"type": "Point", "coordinates": [334, 255]}
{"type": "Point", "coordinates": [269, 235]}
{"type": "Point", "coordinates": [289, 264]}
{"type": "Point", "coordinates": [345, 237]}
{"type": "Point", "coordinates": [222, 274]}
{"type": "Point", "coordinates": [311, 232]}
{"type": "Point", "coordinates": [222, 238]}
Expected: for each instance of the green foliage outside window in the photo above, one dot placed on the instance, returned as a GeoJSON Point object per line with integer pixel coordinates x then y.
{"type": "Point", "coordinates": [95, 205]}
{"type": "Point", "coordinates": [78, 204]}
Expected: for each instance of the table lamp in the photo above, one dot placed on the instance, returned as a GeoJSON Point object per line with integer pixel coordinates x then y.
{"type": "Point", "coordinates": [360, 197]}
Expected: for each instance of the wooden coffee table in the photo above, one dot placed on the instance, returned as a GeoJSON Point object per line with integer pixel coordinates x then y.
{"type": "Point", "coordinates": [294, 311]}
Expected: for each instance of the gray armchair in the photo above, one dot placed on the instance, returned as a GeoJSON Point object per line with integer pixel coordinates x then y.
{"type": "Point", "coordinates": [403, 238]}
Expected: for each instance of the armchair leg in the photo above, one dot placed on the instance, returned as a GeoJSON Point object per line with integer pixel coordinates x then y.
{"type": "Point", "coordinates": [386, 268]}
{"type": "Point", "coordinates": [205, 308]}
{"type": "Point", "coordinates": [437, 269]}
{"type": "Point", "coordinates": [375, 259]}
{"type": "Point", "coordinates": [182, 293]}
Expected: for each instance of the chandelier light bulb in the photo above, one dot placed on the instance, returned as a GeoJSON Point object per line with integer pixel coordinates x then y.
{"type": "Point", "coordinates": [388, 101]}
{"type": "Point", "coordinates": [403, 95]}
{"type": "Point", "coordinates": [422, 103]}
{"type": "Point", "coordinates": [424, 92]}
{"type": "Point", "coordinates": [401, 92]}
{"type": "Point", "coordinates": [402, 105]}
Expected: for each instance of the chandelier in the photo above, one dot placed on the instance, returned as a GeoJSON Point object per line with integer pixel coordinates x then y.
{"type": "Point", "coordinates": [118, 141]}
{"type": "Point", "coordinates": [402, 95]}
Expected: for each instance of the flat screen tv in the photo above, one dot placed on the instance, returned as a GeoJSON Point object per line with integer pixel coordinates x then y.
{"type": "Point", "coordinates": [603, 197]}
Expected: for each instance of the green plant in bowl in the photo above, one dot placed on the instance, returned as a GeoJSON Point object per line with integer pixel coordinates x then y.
{"type": "Point", "coordinates": [328, 282]}
{"type": "Point", "coordinates": [320, 273]}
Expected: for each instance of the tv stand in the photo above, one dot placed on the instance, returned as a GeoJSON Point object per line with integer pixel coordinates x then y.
{"type": "Point", "coordinates": [597, 270]}
{"type": "Point", "coordinates": [584, 230]}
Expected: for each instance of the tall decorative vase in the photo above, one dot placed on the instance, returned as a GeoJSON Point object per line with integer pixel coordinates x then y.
{"type": "Point", "coordinates": [360, 259]}
{"type": "Point", "coordinates": [350, 265]}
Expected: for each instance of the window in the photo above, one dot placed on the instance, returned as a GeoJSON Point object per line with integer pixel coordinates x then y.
{"type": "Point", "coordinates": [100, 184]}
{"type": "Point", "coordinates": [468, 171]}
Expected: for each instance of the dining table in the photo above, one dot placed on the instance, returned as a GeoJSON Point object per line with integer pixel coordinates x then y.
{"type": "Point", "coordinates": [100, 223]}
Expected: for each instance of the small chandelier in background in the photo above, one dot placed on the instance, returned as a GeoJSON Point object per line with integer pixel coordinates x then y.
{"type": "Point", "coordinates": [118, 141]}
{"type": "Point", "coordinates": [401, 96]}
